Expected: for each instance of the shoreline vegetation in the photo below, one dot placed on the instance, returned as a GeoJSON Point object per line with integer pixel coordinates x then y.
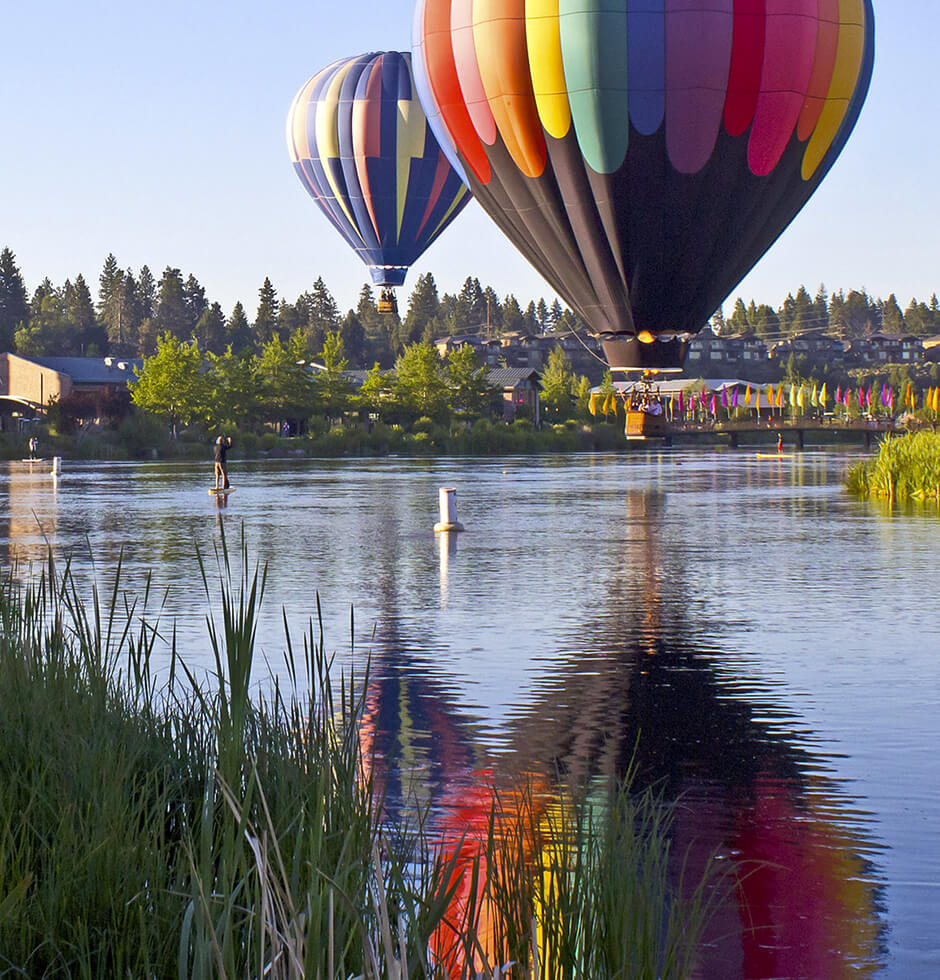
{"type": "Point", "coordinates": [905, 468]}
{"type": "Point", "coordinates": [165, 825]}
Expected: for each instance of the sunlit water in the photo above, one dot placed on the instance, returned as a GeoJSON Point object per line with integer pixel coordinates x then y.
{"type": "Point", "coordinates": [769, 645]}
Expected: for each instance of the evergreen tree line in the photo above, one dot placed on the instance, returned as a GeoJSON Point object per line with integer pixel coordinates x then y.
{"type": "Point", "coordinates": [846, 315]}
{"type": "Point", "coordinates": [133, 310]}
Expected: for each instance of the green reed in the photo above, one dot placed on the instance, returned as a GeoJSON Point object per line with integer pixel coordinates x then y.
{"type": "Point", "coordinates": [169, 826]}
{"type": "Point", "coordinates": [905, 468]}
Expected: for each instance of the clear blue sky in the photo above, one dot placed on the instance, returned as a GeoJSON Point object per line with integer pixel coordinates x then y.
{"type": "Point", "coordinates": [157, 132]}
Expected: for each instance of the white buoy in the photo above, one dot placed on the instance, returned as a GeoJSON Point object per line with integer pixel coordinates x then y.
{"type": "Point", "coordinates": [56, 465]}
{"type": "Point", "coordinates": [447, 497]}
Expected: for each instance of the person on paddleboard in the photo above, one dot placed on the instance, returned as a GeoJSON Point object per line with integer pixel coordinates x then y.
{"type": "Point", "coordinates": [219, 454]}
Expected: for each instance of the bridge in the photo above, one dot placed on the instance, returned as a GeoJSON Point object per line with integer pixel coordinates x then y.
{"type": "Point", "coordinates": [794, 431]}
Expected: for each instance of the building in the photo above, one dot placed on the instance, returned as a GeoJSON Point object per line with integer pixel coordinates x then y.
{"type": "Point", "coordinates": [517, 390]}
{"type": "Point", "coordinates": [31, 384]}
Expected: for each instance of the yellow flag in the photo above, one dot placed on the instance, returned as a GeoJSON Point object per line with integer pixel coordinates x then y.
{"type": "Point", "coordinates": [780, 396]}
{"type": "Point", "coordinates": [936, 399]}
{"type": "Point", "coordinates": [606, 408]}
{"type": "Point", "coordinates": [747, 396]}
{"type": "Point", "coordinates": [822, 397]}
{"type": "Point", "coordinates": [770, 395]}
{"type": "Point", "coordinates": [592, 403]}
{"type": "Point", "coordinates": [756, 399]}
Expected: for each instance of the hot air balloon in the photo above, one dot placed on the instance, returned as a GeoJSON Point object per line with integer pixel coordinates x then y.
{"type": "Point", "coordinates": [360, 144]}
{"type": "Point", "coordinates": [643, 155]}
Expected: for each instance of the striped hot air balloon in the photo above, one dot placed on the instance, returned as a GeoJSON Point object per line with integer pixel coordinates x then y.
{"type": "Point", "coordinates": [643, 155]}
{"type": "Point", "coordinates": [361, 146]}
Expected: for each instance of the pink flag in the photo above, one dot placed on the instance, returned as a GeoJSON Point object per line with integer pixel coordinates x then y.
{"type": "Point", "coordinates": [714, 405]}
{"type": "Point", "coordinates": [681, 403]}
{"type": "Point", "coordinates": [724, 397]}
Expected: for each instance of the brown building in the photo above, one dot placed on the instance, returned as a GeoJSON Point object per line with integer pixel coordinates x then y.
{"type": "Point", "coordinates": [29, 384]}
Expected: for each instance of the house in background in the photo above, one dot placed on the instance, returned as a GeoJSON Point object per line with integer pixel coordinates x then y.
{"type": "Point", "coordinates": [28, 385]}
{"type": "Point", "coordinates": [517, 391]}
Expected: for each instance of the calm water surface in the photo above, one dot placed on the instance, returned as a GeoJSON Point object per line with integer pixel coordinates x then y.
{"type": "Point", "coordinates": [774, 643]}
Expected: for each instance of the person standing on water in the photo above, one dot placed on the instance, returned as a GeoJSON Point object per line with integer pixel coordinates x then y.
{"type": "Point", "coordinates": [219, 454]}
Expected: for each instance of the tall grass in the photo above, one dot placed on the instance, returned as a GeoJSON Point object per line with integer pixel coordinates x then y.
{"type": "Point", "coordinates": [906, 467]}
{"type": "Point", "coordinates": [172, 827]}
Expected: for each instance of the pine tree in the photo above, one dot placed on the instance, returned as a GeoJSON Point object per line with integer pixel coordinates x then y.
{"type": "Point", "coordinates": [423, 309]}
{"type": "Point", "coordinates": [90, 337]}
{"type": "Point", "coordinates": [14, 307]}
{"type": "Point", "coordinates": [194, 298]}
{"type": "Point", "coordinates": [238, 330]}
{"type": "Point", "coordinates": [323, 315]}
{"type": "Point", "coordinates": [353, 337]}
{"type": "Point", "coordinates": [145, 294]}
{"type": "Point", "coordinates": [892, 319]}
{"type": "Point", "coordinates": [513, 318]}
{"type": "Point", "coordinates": [210, 331]}
{"type": "Point", "coordinates": [541, 311]}
{"type": "Point", "coordinates": [266, 319]}
{"type": "Point", "coordinates": [44, 289]}
{"type": "Point", "coordinates": [738, 322]}
{"type": "Point", "coordinates": [172, 312]}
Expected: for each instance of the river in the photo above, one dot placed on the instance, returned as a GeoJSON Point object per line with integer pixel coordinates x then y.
{"type": "Point", "coordinates": [768, 646]}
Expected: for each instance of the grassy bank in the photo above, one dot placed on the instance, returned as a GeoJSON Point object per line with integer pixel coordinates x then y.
{"type": "Point", "coordinates": [906, 468]}
{"type": "Point", "coordinates": [181, 828]}
{"type": "Point", "coordinates": [137, 439]}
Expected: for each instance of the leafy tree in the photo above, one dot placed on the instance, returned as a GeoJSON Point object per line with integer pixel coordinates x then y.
{"type": "Point", "coordinates": [236, 388]}
{"type": "Point", "coordinates": [171, 385]}
{"type": "Point", "coordinates": [376, 393]}
{"type": "Point", "coordinates": [557, 383]}
{"type": "Point", "coordinates": [470, 392]}
{"type": "Point", "coordinates": [333, 387]}
{"type": "Point", "coordinates": [266, 323]}
{"type": "Point", "coordinates": [420, 385]}
{"type": "Point", "coordinates": [14, 308]}
{"type": "Point", "coordinates": [583, 397]}
{"type": "Point", "coordinates": [46, 333]}
{"type": "Point", "coordinates": [286, 388]}
{"type": "Point", "coordinates": [172, 312]}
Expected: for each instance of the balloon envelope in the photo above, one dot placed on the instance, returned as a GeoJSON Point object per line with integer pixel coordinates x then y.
{"type": "Point", "coordinates": [360, 144]}
{"type": "Point", "coordinates": [644, 154]}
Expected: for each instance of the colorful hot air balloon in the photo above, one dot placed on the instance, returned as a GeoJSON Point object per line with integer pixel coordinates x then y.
{"type": "Point", "coordinates": [643, 155]}
{"type": "Point", "coordinates": [360, 144]}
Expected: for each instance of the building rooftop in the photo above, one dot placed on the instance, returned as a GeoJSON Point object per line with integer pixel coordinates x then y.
{"type": "Point", "coordinates": [91, 370]}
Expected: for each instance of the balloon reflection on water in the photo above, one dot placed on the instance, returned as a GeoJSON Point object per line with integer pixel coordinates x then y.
{"type": "Point", "coordinates": [743, 783]}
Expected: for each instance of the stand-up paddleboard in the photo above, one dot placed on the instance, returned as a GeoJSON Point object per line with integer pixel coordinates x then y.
{"type": "Point", "coordinates": [34, 459]}
{"type": "Point", "coordinates": [224, 491]}
{"type": "Point", "coordinates": [771, 455]}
